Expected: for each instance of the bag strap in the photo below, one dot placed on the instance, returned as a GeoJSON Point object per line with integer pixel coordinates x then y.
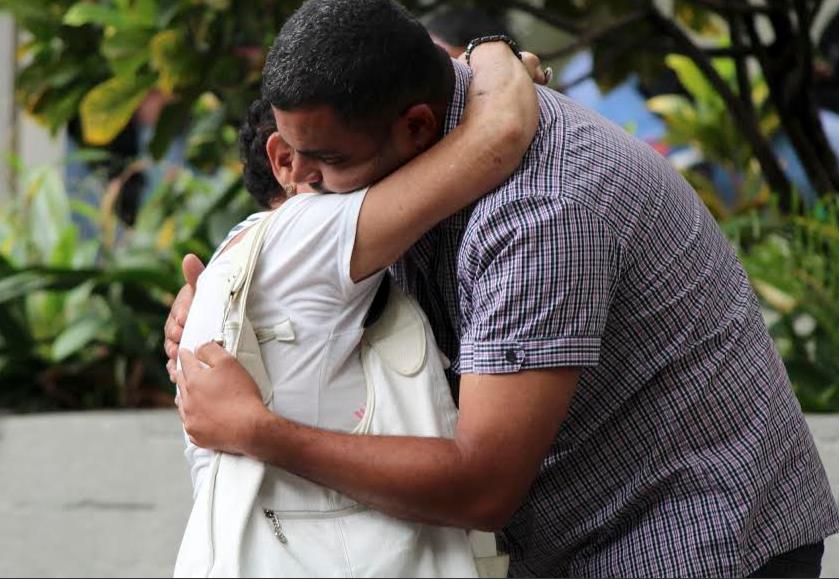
{"type": "Point", "coordinates": [250, 248]}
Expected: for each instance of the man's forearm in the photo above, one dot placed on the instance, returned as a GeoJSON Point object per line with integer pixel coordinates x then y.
{"type": "Point", "coordinates": [505, 427]}
{"type": "Point", "coordinates": [427, 480]}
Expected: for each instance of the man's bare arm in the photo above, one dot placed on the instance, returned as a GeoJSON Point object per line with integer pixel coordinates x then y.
{"type": "Point", "coordinates": [499, 122]}
{"type": "Point", "coordinates": [477, 480]}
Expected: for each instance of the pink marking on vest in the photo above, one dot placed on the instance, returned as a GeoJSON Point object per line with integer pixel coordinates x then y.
{"type": "Point", "coordinates": [360, 412]}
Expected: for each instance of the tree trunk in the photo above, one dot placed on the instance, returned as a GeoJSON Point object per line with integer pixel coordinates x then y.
{"type": "Point", "coordinates": [788, 67]}
{"type": "Point", "coordinates": [740, 113]}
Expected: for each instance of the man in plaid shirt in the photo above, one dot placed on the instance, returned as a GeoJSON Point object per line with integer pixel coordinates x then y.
{"type": "Point", "coordinates": [623, 409]}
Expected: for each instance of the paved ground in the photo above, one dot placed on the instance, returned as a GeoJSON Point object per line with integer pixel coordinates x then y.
{"type": "Point", "coordinates": [95, 494]}
{"type": "Point", "coordinates": [106, 494]}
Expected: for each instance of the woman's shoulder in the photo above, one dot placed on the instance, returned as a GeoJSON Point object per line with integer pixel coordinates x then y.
{"type": "Point", "coordinates": [325, 200]}
{"type": "Point", "coordinates": [319, 211]}
{"type": "Point", "coordinates": [238, 229]}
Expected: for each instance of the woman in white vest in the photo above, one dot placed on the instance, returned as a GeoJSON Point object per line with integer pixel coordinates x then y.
{"type": "Point", "coordinates": [288, 293]}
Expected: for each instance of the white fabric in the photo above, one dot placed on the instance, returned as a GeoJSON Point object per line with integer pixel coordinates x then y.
{"type": "Point", "coordinates": [324, 532]}
{"type": "Point", "coordinates": [309, 310]}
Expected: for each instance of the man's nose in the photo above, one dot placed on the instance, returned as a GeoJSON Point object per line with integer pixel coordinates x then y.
{"type": "Point", "coordinates": [304, 170]}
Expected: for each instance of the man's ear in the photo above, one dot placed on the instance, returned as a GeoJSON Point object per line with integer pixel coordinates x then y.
{"type": "Point", "coordinates": [418, 127]}
{"type": "Point", "coordinates": [279, 155]}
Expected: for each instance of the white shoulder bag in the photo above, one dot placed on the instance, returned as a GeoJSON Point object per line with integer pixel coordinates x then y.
{"type": "Point", "coordinates": [317, 532]}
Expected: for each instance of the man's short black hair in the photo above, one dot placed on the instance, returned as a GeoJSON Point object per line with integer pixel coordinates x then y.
{"type": "Point", "coordinates": [367, 59]}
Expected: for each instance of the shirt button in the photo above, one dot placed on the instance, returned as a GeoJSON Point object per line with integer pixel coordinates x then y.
{"type": "Point", "coordinates": [511, 356]}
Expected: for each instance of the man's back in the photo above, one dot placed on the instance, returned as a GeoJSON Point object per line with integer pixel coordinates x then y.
{"type": "Point", "coordinates": [684, 450]}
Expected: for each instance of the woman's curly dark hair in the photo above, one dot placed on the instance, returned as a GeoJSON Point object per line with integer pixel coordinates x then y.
{"type": "Point", "coordinates": [259, 179]}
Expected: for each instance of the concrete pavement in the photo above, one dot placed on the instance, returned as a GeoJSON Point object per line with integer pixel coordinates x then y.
{"type": "Point", "coordinates": [93, 494]}
{"type": "Point", "coordinates": [107, 494]}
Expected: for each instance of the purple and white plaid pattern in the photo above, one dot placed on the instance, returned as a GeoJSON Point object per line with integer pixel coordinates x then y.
{"type": "Point", "coordinates": [684, 451]}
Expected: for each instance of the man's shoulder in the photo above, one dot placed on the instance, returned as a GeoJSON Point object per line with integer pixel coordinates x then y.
{"type": "Point", "coordinates": [580, 158]}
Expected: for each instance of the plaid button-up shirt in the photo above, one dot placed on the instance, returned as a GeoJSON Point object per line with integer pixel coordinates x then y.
{"type": "Point", "coordinates": [684, 451]}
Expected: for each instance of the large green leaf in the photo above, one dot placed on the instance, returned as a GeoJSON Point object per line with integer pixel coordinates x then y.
{"type": "Point", "coordinates": [23, 282]}
{"type": "Point", "coordinates": [65, 247]}
{"type": "Point", "coordinates": [103, 15]}
{"type": "Point", "coordinates": [172, 60]}
{"type": "Point", "coordinates": [127, 49]}
{"type": "Point", "coordinates": [77, 336]}
{"type": "Point", "coordinates": [50, 212]}
{"type": "Point", "coordinates": [106, 109]}
{"type": "Point", "coordinates": [173, 120]}
{"type": "Point", "coordinates": [691, 77]}
{"type": "Point", "coordinates": [58, 106]}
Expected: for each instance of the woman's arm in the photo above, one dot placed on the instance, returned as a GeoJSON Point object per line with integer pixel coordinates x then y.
{"type": "Point", "coordinates": [499, 122]}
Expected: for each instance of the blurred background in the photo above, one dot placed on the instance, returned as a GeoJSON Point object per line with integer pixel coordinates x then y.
{"type": "Point", "coordinates": [118, 126]}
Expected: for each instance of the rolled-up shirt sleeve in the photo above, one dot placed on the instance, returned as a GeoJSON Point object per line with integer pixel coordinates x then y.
{"type": "Point", "coordinates": [538, 275]}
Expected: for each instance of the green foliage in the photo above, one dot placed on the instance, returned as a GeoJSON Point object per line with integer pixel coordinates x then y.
{"type": "Point", "coordinates": [80, 314]}
{"type": "Point", "coordinates": [793, 263]}
{"type": "Point", "coordinates": [81, 318]}
{"type": "Point", "coordinates": [700, 120]}
{"type": "Point", "coordinates": [99, 60]}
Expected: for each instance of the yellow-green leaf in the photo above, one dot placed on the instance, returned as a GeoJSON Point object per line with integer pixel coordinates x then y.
{"type": "Point", "coordinates": [169, 57]}
{"type": "Point", "coordinates": [83, 13]}
{"type": "Point", "coordinates": [108, 107]}
{"type": "Point", "coordinates": [690, 76]}
{"type": "Point", "coordinates": [166, 235]}
{"type": "Point", "coordinates": [668, 104]}
{"type": "Point", "coordinates": [777, 299]}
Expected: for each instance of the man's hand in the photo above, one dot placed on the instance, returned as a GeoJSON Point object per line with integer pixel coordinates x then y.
{"type": "Point", "coordinates": [173, 330]}
{"type": "Point", "coordinates": [506, 426]}
{"type": "Point", "coordinates": [219, 402]}
{"type": "Point", "coordinates": [531, 62]}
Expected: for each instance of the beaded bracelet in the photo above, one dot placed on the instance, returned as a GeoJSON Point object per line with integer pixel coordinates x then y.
{"type": "Point", "coordinates": [492, 38]}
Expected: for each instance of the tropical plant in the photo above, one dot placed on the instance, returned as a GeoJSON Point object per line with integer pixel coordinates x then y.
{"type": "Point", "coordinates": [100, 59]}
{"type": "Point", "coordinates": [793, 264]}
{"type": "Point", "coordinates": [80, 313]}
{"type": "Point", "coordinates": [697, 121]}
{"type": "Point", "coordinates": [81, 317]}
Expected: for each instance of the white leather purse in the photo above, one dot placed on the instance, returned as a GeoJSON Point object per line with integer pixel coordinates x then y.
{"type": "Point", "coordinates": [315, 531]}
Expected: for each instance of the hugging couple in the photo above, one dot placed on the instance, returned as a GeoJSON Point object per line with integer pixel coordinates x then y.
{"type": "Point", "coordinates": [440, 233]}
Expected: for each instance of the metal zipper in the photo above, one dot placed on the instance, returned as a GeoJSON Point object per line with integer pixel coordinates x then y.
{"type": "Point", "coordinates": [275, 523]}
{"type": "Point", "coordinates": [274, 517]}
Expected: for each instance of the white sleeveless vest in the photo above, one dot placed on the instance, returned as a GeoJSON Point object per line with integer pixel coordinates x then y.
{"type": "Point", "coordinates": [308, 530]}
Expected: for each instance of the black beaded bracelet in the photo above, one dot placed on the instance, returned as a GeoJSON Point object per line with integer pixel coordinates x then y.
{"type": "Point", "coordinates": [493, 38]}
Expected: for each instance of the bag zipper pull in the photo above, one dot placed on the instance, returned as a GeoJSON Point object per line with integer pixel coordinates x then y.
{"type": "Point", "coordinates": [278, 529]}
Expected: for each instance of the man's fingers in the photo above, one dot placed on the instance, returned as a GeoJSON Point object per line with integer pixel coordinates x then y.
{"type": "Point", "coordinates": [189, 364]}
{"type": "Point", "coordinates": [183, 301]}
{"type": "Point", "coordinates": [191, 267]}
{"type": "Point", "coordinates": [212, 354]}
{"type": "Point", "coordinates": [171, 349]}
{"type": "Point", "coordinates": [173, 329]}
{"type": "Point", "coordinates": [172, 369]}
{"type": "Point", "coordinates": [533, 64]}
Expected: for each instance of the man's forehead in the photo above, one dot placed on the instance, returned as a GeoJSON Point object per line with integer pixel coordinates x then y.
{"type": "Point", "coordinates": [317, 127]}
{"type": "Point", "coordinates": [307, 123]}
